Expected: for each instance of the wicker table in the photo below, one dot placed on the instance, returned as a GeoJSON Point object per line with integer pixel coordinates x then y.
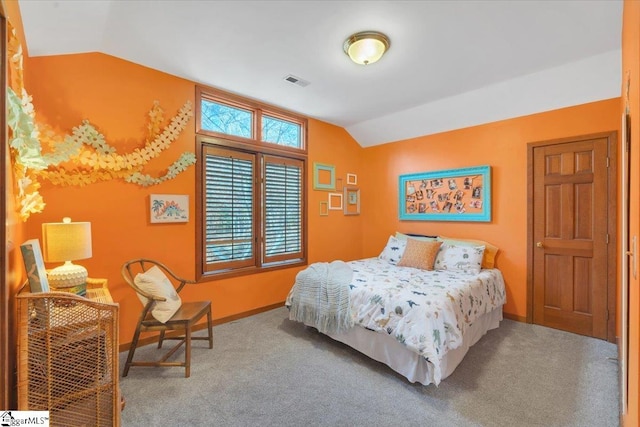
{"type": "Point", "coordinates": [68, 357]}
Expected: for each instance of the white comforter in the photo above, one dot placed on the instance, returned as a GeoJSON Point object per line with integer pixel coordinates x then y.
{"type": "Point", "coordinates": [427, 311]}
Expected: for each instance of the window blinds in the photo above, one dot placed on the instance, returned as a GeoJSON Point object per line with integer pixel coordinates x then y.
{"type": "Point", "coordinates": [229, 208]}
{"type": "Point", "coordinates": [283, 209]}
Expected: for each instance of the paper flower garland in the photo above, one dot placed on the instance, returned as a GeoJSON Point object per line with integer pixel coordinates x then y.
{"type": "Point", "coordinates": [84, 157]}
{"type": "Point", "coordinates": [98, 161]}
{"type": "Point", "coordinates": [25, 153]}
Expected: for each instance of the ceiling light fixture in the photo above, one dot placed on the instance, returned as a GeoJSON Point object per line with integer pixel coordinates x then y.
{"type": "Point", "coordinates": [366, 47]}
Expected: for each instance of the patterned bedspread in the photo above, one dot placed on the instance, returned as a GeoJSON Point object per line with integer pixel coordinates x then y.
{"type": "Point", "coordinates": [427, 311]}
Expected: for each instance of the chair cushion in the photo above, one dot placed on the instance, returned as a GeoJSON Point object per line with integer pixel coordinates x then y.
{"type": "Point", "coordinates": [156, 283]}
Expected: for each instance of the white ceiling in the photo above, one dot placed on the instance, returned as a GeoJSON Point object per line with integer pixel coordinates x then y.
{"type": "Point", "coordinates": [451, 64]}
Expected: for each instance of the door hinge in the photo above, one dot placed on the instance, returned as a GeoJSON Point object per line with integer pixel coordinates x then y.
{"type": "Point", "coordinates": [607, 239]}
{"type": "Point", "coordinates": [607, 162]}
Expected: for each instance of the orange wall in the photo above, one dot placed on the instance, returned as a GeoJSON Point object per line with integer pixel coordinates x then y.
{"type": "Point", "coordinates": [115, 95]}
{"type": "Point", "coordinates": [335, 236]}
{"type": "Point", "coordinates": [503, 146]}
{"type": "Point", "coordinates": [631, 69]}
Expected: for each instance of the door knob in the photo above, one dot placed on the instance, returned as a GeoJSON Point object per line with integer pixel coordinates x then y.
{"type": "Point", "coordinates": [540, 245]}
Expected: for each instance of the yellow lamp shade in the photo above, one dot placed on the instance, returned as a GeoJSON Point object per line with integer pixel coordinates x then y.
{"type": "Point", "coordinates": [66, 241]}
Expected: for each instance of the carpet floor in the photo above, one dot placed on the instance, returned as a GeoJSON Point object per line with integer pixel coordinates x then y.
{"type": "Point", "coordinates": [265, 370]}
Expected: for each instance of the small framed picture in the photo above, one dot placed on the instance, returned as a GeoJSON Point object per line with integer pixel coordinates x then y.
{"type": "Point", "coordinates": [169, 208]}
{"type": "Point", "coordinates": [352, 201]}
{"type": "Point", "coordinates": [324, 208]}
{"type": "Point", "coordinates": [352, 179]}
{"type": "Point", "coordinates": [324, 177]}
{"type": "Point", "coordinates": [335, 201]}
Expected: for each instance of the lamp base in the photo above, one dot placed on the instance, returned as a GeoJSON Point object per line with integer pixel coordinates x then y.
{"type": "Point", "coordinates": [67, 275]}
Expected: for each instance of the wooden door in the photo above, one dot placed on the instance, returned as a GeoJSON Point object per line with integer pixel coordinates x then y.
{"type": "Point", "coordinates": [570, 235]}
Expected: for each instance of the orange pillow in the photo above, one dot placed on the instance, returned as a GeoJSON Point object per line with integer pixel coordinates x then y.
{"type": "Point", "coordinates": [420, 254]}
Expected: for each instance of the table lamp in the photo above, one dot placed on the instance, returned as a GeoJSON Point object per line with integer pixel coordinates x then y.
{"type": "Point", "coordinates": [66, 241]}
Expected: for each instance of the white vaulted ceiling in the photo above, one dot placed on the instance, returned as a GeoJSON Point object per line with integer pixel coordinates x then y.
{"type": "Point", "coordinates": [451, 64]}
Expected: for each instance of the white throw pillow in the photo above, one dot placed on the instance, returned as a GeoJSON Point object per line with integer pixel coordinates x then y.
{"type": "Point", "coordinates": [156, 283]}
{"type": "Point", "coordinates": [394, 250]}
{"type": "Point", "coordinates": [465, 259]}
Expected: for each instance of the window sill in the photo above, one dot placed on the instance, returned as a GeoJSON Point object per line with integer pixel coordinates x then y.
{"type": "Point", "coordinates": [226, 274]}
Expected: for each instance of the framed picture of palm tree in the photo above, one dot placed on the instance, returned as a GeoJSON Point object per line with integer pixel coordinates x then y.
{"type": "Point", "coordinates": [169, 208]}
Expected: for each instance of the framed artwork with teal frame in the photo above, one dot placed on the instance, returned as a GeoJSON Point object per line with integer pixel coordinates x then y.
{"type": "Point", "coordinates": [324, 177]}
{"type": "Point", "coordinates": [447, 195]}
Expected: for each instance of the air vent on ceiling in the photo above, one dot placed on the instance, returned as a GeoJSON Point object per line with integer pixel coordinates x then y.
{"type": "Point", "coordinates": [296, 80]}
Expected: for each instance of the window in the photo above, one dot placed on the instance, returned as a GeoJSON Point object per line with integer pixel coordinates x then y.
{"type": "Point", "coordinates": [226, 119]}
{"type": "Point", "coordinates": [242, 120]}
{"type": "Point", "coordinates": [251, 187]}
{"type": "Point", "coordinates": [229, 209]}
{"type": "Point", "coordinates": [283, 208]}
{"type": "Point", "coordinates": [281, 132]}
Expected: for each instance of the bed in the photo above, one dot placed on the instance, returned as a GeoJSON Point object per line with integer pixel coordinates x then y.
{"type": "Point", "coordinates": [419, 321]}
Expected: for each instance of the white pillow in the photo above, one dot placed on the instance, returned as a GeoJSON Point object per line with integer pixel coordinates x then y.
{"type": "Point", "coordinates": [394, 250]}
{"type": "Point", "coordinates": [154, 282]}
{"type": "Point", "coordinates": [465, 259]}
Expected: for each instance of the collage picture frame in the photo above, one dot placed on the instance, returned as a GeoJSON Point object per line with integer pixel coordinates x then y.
{"type": "Point", "coordinates": [448, 195]}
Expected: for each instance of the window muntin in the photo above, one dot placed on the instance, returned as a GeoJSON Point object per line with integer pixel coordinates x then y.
{"type": "Point", "coordinates": [226, 119]}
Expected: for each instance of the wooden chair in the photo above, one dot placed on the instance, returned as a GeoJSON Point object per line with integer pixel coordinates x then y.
{"type": "Point", "coordinates": [183, 320]}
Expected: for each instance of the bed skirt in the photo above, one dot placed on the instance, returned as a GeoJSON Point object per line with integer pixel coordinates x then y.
{"type": "Point", "coordinates": [386, 349]}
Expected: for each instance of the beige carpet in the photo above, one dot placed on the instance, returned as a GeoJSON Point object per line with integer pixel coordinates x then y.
{"type": "Point", "coordinates": [268, 371]}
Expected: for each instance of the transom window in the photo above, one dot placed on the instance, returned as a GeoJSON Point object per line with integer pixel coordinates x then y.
{"type": "Point", "coordinates": [221, 118]}
{"type": "Point", "coordinates": [251, 186]}
{"type": "Point", "coordinates": [221, 114]}
{"type": "Point", "coordinates": [281, 132]}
